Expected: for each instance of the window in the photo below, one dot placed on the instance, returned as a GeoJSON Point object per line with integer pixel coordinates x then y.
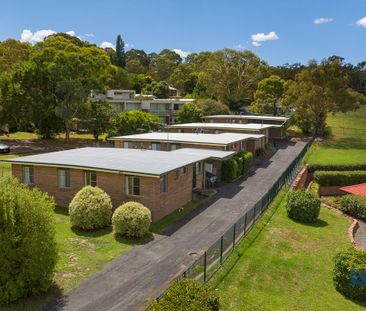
{"type": "Point", "coordinates": [155, 146]}
{"type": "Point", "coordinates": [127, 144]}
{"type": "Point", "coordinates": [198, 167]}
{"type": "Point", "coordinates": [217, 132]}
{"type": "Point", "coordinates": [181, 171]}
{"type": "Point", "coordinates": [90, 178]}
{"type": "Point", "coordinates": [174, 146]}
{"type": "Point", "coordinates": [132, 185]}
{"type": "Point", "coordinates": [63, 177]}
{"type": "Point", "coordinates": [180, 131]}
{"type": "Point", "coordinates": [176, 107]}
{"type": "Point", "coordinates": [28, 175]}
{"type": "Point", "coordinates": [164, 184]}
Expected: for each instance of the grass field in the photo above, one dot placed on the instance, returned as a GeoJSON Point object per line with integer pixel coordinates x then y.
{"type": "Point", "coordinates": [80, 255]}
{"type": "Point", "coordinates": [347, 145]}
{"type": "Point", "coordinates": [27, 135]}
{"type": "Point", "coordinates": [286, 265]}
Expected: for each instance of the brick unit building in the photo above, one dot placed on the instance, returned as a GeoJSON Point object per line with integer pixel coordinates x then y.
{"type": "Point", "coordinates": [161, 181]}
{"type": "Point", "coordinates": [271, 131]}
{"type": "Point", "coordinates": [172, 141]}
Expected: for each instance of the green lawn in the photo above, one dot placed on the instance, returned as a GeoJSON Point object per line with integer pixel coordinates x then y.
{"type": "Point", "coordinates": [285, 265]}
{"type": "Point", "coordinates": [346, 145]}
{"type": "Point", "coordinates": [26, 135]}
{"type": "Point", "coordinates": [5, 168]}
{"type": "Point", "coordinates": [80, 255]}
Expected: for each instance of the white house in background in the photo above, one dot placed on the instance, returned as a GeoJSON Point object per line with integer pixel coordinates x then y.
{"type": "Point", "coordinates": [125, 100]}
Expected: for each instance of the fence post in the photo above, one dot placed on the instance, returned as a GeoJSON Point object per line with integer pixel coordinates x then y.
{"type": "Point", "coordinates": [234, 229]}
{"type": "Point", "coordinates": [245, 223]}
{"type": "Point", "coordinates": [204, 267]}
{"type": "Point", "coordinates": [221, 249]}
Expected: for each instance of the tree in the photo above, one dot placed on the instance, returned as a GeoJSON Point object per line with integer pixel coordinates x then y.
{"type": "Point", "coordinates": [27, 240]}
{"type": "Point", "coordinates": [163, 65]}
{"type": "Point", "coordinates": [139, 55]}
{"type": "Point", "coordinates": [269, 95]}
{"type": "Point", "coordinates": [98, 117]}
{"type": "Point", "coordinates": [318, 90]}
{"type": "Point", "coordinates": [133, 121]}
{"type": "Point", "coordinates": [13, 52]}
{"type": "Point", "coordinates": [232, 76]}
{"type": "Point", "coordinates": [212, 107]}
{"type": "Point", "coordinates": [120, 52]}
{"type": "Point", "coordinates": [134, 66]}
{"type": "Point", "coordinates": [190, 113]}
{"type": "Point", "coordinates": [158, 89]}
{"type": "Point", "coordinates": [183, 78]}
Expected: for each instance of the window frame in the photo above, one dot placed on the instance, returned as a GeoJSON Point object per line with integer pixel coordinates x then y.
{"type": "Point", "coordinates": [134, 186]}
{"type": "Point", "coordinates": [164, 184]}
{"type": "Point", "coordinates": [157, 146]}
{"type": "Point", "coordinates": [88, 179]}
{"type": "Point", "coordinates": [30, 172]}
{"type": "Point", "coordinates": [66, 176]}
{"type": "Point", "coordinates": [128, 143]}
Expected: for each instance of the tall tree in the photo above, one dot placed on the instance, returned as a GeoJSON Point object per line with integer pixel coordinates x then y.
{"type": "Point", "coordinates": [212, 107]}
{"type": "Point", "coordinates": [269, 95]}
{"type": "Point", "coordinates": [12, 52]}
{"type": "Point", "coordinates": [190, 113]}
{"type": "Point", "coordinates": [318, 90]}
{"type": "Point", "coordinates": [120, 52]}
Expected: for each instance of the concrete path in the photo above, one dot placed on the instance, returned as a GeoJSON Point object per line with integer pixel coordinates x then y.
{"type": "Point", "coordinates": [360, 236]}
{"type": "Point", "coordinates": [144, 272]}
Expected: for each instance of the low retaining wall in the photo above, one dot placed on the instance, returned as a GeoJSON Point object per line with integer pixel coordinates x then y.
{"type": "Point", "coordinates": [330, 191]}
{"type": "Point", "coordinates": [301, 178]}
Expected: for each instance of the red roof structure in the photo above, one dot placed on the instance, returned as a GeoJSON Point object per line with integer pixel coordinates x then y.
{"type": "Point", "coordinates": [359, 189]}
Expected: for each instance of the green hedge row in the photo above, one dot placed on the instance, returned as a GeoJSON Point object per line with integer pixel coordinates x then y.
{"type": "Point", "coordinates": [354, 205]}
{"type": "Point", "coordinates": [236, 166]}
{"type": "Point", "coordinates": [334, 167]}
{"type": "Point", "coordinates": [339, 178]}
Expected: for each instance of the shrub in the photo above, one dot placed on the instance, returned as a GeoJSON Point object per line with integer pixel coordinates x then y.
{"type": "Point", "coordinates": [131, 219]}
{"type": "Point", "coordinates": [91, 208]}
{"type": "Point", "coordinates": [187, 295]}
{"type": "Point", "coordinates": [349, 268]}
{"type": "Point", "coordinates": [354, 205]}
{"type": "Point", "coordinates": [240, 161]}
{"type": "Point", "coordinates": [303, 206]}
{"type": "Point", "coordinates": [248, 161]}
{"type": "Point", "coordinates": [27, 240]}
{"type": "Point", "coordinates": [230, 169]}
{"type": "Point", "coordinates": [339, 178]}
{"type": "Point", "coordinates": [336, 167]}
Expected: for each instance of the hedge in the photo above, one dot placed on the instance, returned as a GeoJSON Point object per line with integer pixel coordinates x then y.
{"type": "Point", "coordinates": [339, 178]}
{"type": "Point", "coordinates": [303, 206]}
{"type": "Point", "coordinates": [354, 205]}
{"type": "Point", "coordinates": [90, 209]}
{"type": "Point", "coordinates": [349, 273]}
{"type": "Point", "coordinates": [230, 169]}
{"type": "Point", "coordinates": [27, 240]}
{"type": "Point", "coordinates": [187, 295]}
{"type": "Point", "coordinates": [248, 161]}
{"type": "Point", "coordinates": [132, 220]}
{"type": "Point", "coordinates": [240, 161]}
{"type": "Point", "coordinates": [334, 167]}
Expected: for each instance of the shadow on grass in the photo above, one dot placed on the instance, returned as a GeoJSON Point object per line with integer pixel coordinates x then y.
{"type": "Point", "coordinates": [92, 233]}
{"type": "Point", "coordinates": [62, 211]}
{"type": "Point", "coordinates": [319, 223]}
{"type": "Point", "coordinates": [134, 241]}
{"type": "Point", "coordinates": [345, 143]}
{"type": "Point", "coordinates": [361, 303]}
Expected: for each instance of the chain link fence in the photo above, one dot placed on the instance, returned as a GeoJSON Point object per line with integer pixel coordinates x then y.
{"type": "Point", "coordinates": [210, 261]}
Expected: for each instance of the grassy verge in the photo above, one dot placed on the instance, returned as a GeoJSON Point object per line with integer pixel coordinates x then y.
{"type": "Point", "coordinates": [286, 265]}
{"type": "Point", "coordinates": [80, 255]}
{"type": "Point", "coordinates": [27, 135]}
{"type": "Point", "coordinates": [345, 146]}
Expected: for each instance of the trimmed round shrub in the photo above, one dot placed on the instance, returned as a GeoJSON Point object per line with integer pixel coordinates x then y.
{"type": "Point", "coordinates": [91, 208]}
{"type": "Point", "coordinates": [349, 273]}
{"type": "Point", "coordinates": [354, 205]}
{"type": "Point", "coordinates": [27, 240]}
{"type": "Point", "coordinates": [187, 295]}
{"type": "Point", "coordinates": [230, 169]}
{"type": "Point", "coordinates": [303, 206]}
{"type": "Point", "coordinates": [132, 220]}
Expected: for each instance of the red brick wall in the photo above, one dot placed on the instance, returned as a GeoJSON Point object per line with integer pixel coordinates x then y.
{"type": "Point", "coordinates": [179, 189]}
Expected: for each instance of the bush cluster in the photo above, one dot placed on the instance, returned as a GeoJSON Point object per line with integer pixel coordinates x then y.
{"type": "Point", "coordinates": [336, 167]}
{"type": "Point", "coordinates": [339, 178]}
{"type": "Point", "coordinates": [27, 240]}
{"type": "Point", "coordinates": [91, 208]}
{"type": "Point", "coordinates": [236, 166]}
{"type": "Point", "coordinates": [132, 220]}
{"type": "Point", "coordinates": [349, 273]}
{"type": "Point", "coordinates": [187, 295]}
{"type": "Point", "coordinates": [354, 205]}
{"type": "Point", "coordinates": [303, 206]}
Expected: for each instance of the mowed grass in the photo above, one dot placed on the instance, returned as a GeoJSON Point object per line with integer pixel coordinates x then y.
{"type": "Point", "coordinates": [286, 265]}
{"type": "Point", "coordinates": [347, 144]}
{"type": "Point", "coordinates": [27, 135]}
{"type": "Point", "coordinates": [5, 168]}
{"type": "Point", "coordinates": [80, 255]}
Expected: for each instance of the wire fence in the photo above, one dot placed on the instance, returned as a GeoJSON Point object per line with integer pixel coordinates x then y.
{"type": "Point", "coordinates": [213, 258]}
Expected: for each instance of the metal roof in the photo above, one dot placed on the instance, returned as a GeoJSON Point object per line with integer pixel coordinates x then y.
{"type": "Point", "coordinates": [192, 138]}
{"type": "Point", "coordinates": [359, 189]}
{"type": "Point", "coordinates": [209, 153]}
{"type": "Point", "coordinates": [133, 161]}
{"type": "Point", "coordinates": [233, 126]}
{"type": "Point", "coordinates": [249, 117]}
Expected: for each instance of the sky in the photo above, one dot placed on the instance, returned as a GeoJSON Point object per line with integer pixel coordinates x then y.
{"type": "Point", "coordinates": [279, 31]}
